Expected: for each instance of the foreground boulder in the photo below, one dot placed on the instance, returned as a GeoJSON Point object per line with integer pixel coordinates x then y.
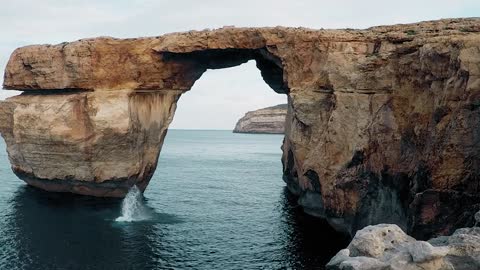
{"type": "Point", "coordinates": [382, 123]}
{"type": "Point", "coordinates": [269, 120]}
{"type": "Point", "coordinates": [387, 247]}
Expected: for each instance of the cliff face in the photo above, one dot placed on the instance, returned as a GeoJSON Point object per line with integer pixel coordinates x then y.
{"type": "Point", "coordinates": [382, 123]}
{"type": "Point", "coordinates": [94, 143]}
{"type": "Point", "coordinates": [267, 120]}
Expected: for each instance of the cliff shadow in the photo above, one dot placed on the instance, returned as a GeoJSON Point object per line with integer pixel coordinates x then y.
{"type": "Point", "coordinates": [310, 242]}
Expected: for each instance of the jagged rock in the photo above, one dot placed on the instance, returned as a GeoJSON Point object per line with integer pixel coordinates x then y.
{"type": "Point", "coordinates": [477, 218]}
{"type": "Point", "coordinates": [378, 241]}
{"type": "Point", "coordinates": [389, 245]}
{"type": "Point", "coordinates": [464, 247]}
{"type": "Point", "coordinates": [343, 261]}
{"type": "Point", "coordinates": [340, 257]}
{"type": "Point", "coordinates": [267, 120]}
{"type": "Point", "coordinates": [422, 251]}
{"type": "Point", "coordinates": [382, 123]}
{"type": "Point", "coordinates": [362, 263]}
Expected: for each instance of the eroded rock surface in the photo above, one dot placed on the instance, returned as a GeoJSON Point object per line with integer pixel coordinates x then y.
{"type": "Point", "coordinates": [93, 143]}
{"type": "Point", "coordinates": [382, 123]}
{"type": "Point", "coordinates": [267, 120]}
{"type": "Point", "coordinates": [386, 246]}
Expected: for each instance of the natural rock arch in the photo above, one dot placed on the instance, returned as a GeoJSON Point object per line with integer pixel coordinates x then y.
{"type": "Point", "coordinates": [269, 65]}
{"type": "Point", "coordinates": [382, 123]}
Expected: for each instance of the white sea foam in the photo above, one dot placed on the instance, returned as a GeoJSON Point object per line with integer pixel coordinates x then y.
{"type": "Point", "coordinates": [133, 208]}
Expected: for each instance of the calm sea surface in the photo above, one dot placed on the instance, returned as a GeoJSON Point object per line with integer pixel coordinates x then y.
{"type": "Point", "coordinates": [216, 201]}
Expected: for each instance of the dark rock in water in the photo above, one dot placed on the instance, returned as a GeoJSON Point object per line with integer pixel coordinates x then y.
{"type": "Point", "coordinates": [382, 123]}
{"type": "Point", "coordinates": [267, 120]}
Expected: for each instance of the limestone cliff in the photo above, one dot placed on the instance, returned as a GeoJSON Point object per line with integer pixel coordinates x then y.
{"type": "Point", "coordinates": [267, 120]}
{"type": "Point", "coordinates": [94, 143]}
{"type": "Point", "coordinates": [382, 123]}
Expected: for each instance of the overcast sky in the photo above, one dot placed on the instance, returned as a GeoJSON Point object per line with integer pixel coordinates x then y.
{"type": "Point", "coordinates": [219, 97]}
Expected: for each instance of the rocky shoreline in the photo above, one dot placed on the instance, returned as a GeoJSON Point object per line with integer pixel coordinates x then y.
{"type": "Point", "coordinates": [270, 120]}
{"type": "Point", "coordinates": [387, 247]}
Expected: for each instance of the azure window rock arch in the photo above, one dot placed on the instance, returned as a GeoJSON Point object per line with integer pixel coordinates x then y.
{"type": "Point", "coordinates": [351, 150]}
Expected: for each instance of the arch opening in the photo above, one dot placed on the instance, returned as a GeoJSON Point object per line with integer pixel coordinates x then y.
{"type": "Point", "coordinates": [269, 65]}
{"type": "Point", "coordinates": [230, 168]}
{"type": "Point", "coordinates": [221, 97]}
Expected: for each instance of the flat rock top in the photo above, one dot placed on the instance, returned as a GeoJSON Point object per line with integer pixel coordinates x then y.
{"type": "Point", "coordinates": [257, 37]}
{"type": "Point", "coordinates": [139, 63]}
{"type": "Point", "coordinates": [230, 36]}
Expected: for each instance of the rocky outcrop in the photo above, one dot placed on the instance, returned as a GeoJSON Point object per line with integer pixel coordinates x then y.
{"type": "Point", "coordinates": [387, 247]}
{"type": "Point", "coordinates": [94, 143]}
{"type": "Point", "coordinates": [267, 120]}
{"type": "Point", "coordinates": [382, 123]}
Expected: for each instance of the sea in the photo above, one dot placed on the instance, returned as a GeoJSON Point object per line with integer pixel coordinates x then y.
{"type": "Point", "coordinates": [216, 201]}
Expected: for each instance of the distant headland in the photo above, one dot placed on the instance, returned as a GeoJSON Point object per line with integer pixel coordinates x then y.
{"type": "Point", "coordinates": [270, 120]}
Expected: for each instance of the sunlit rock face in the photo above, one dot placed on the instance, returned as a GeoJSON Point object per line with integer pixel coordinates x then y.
{"type": "Point", "coordinates": [382, 123]}
{"type": "Point", "coordinates": [93, 143]}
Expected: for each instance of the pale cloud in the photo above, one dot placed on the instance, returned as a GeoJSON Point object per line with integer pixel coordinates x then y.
{"type": "Point", "coordinates": [53, 21]}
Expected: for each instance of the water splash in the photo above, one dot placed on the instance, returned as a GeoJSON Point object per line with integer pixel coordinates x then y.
{"type": "Point", "coordinates": [133, 208]}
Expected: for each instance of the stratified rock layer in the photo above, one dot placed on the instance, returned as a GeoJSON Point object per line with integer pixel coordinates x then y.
{"type": "Point", "coordinates": [267, 120]}
{"type": "Point", "coordinates": [94, 143]}
{"type": "Point", "coordinates": [382, 124]}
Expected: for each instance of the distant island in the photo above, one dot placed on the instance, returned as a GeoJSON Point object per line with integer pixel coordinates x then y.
{"type": "Point", "coordinates": [270, 120]}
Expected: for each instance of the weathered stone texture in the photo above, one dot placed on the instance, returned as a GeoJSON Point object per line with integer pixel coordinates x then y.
{"type": "Point", "coordinates": [382, 123]}
{"type": "Point", "coordinates": [93, 143]}
{"type": "Point", "coordinates": [387, 247]}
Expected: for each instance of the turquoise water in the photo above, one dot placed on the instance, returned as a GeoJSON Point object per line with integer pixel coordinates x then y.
{"type": "Point", "coordinates": [216, 201]}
